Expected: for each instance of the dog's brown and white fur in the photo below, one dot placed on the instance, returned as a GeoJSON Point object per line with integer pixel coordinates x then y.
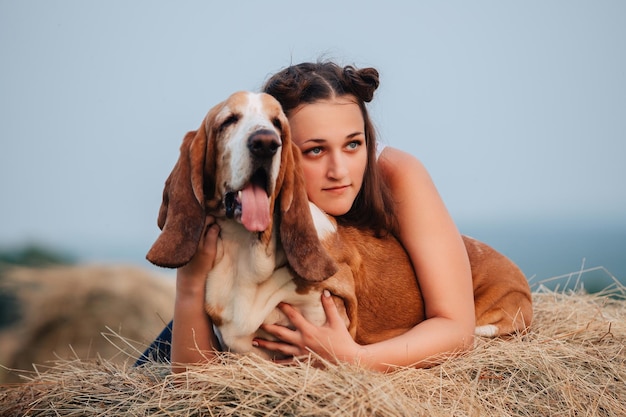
{"type": "Point", "coordinates": [242, 159]}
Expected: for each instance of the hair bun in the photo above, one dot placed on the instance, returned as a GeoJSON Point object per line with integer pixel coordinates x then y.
{"type": "Point", "coordinates": [363, 82]}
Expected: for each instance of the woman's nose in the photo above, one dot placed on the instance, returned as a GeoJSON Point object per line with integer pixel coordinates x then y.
{"type": "Point", "coordinates": [337, 168]}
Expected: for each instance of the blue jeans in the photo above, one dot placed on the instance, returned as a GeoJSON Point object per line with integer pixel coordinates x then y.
{"type": "Point", "coordinates": [160, 350]}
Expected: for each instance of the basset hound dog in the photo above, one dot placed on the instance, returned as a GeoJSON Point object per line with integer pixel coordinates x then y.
{"type": "Point", "coordinates": [241, 167]}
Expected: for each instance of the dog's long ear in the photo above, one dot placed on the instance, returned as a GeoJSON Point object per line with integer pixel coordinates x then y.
{"type": "Point", "coordinates": [182, 214]}
{"type": "Point", "coordinates": [305, 253]}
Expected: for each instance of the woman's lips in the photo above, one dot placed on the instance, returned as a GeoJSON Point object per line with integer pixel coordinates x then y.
{"type": "Point", "coordinates": [337, 190]}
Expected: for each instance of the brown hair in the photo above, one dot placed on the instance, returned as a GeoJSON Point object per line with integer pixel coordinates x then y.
{"type": "Point", "coordinates": [308, 83]}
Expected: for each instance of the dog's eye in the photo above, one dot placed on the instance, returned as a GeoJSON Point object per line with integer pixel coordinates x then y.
{"type": "Point", "coordinates": [277, 124]}
{"type": "Point", "coordinates": [231, 120]}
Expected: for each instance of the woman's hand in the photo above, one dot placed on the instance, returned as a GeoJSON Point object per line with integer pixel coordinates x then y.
{"type": "Point", "coordinates": [331, 341]}
{"type": "Point", "coordinates": [192, 276]}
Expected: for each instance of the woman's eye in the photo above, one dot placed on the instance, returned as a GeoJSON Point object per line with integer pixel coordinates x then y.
{"type": "Point", "coordinates": [314, 151]}
{"type": "Point", "coordinates": [354, 145]}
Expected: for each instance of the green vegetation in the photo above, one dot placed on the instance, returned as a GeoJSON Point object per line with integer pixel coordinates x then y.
{"type": "Point", "coordinates": [34, 256]}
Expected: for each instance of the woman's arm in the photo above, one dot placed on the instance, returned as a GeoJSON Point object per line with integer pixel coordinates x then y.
{"type": "Point", "coordinates": [193, 339]}
{"type": "Point", "coordinates": [439, 257]}
{"type": "Point", "coordinates": [440, 261]}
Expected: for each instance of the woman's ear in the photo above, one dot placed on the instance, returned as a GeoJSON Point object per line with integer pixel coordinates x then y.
{"type": "Point", "coordinates": [182, 213]}
{"type": "Point", "coordinates": [306, 256]}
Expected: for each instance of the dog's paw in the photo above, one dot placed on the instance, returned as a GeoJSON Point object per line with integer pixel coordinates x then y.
{"type": "Point", "coordinates": [488, 330]}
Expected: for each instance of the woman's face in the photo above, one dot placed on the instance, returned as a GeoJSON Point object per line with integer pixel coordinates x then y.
{"type": "Point", "coordinates": [331, 136]}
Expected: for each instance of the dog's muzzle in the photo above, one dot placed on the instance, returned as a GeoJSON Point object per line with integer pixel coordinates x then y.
{"type": "Point", "coordinates": [250, 205]}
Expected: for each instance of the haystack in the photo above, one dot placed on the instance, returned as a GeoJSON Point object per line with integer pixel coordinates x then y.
{"type": "Point", "coordinates": [573, 362]}
{"type": "Point", "coordinates": [60, 312]}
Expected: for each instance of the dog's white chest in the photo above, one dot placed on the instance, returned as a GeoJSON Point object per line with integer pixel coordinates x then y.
{"type": "Point", "coordinates": [246, 261]}
{"type": "Point", "coordinates": [244, 281]}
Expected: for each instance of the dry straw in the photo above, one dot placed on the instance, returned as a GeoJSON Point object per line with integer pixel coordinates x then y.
{"type": "Point", "coordinates": [573, 362]}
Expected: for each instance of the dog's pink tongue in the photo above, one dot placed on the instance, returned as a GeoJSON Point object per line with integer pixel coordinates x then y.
{"type": "Point", "coordinates": [255, 208]}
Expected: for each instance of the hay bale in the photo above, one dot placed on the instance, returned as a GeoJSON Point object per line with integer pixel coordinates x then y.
{"type": "Point", "coordinates": [61, 312]}
{"type": "Point", "coordinates": [573, 361]}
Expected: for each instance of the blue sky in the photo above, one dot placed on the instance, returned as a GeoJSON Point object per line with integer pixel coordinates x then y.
{"type": "Point", "coordinates": [518, 109]}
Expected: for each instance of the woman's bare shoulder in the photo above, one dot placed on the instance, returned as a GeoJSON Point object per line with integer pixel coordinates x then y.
{"type": "Point", "coordinates": [396, 164]}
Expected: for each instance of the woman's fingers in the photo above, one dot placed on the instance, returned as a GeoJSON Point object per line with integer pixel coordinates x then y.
{"type": "Point", "coordinates": [209, 234]}
{"type": "Point", "coordinates": [305, 337]}
{"type": "Point", "coordinates": [287, 344]}
{"type": "Point", "coordinates": [209, 252]}
{"type": "Point", "coordinates": [333, 318]}
{"type": "Point", "coordinates": [295, 317]}
{"type": "Point", "coordinates": [208, 245]}
{"type": "Point", "coordinates": [284, 334]}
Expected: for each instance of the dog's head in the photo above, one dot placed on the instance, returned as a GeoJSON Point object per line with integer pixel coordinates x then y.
{"type": "Point", "coordinates": [238, 165]}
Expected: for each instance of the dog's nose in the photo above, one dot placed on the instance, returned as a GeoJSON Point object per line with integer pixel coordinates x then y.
{"type": "Point", "coordinates": [263, 143]}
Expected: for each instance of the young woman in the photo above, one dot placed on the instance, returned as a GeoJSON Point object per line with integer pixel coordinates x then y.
{"type": "Point", "coordinates": [389, 193]}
